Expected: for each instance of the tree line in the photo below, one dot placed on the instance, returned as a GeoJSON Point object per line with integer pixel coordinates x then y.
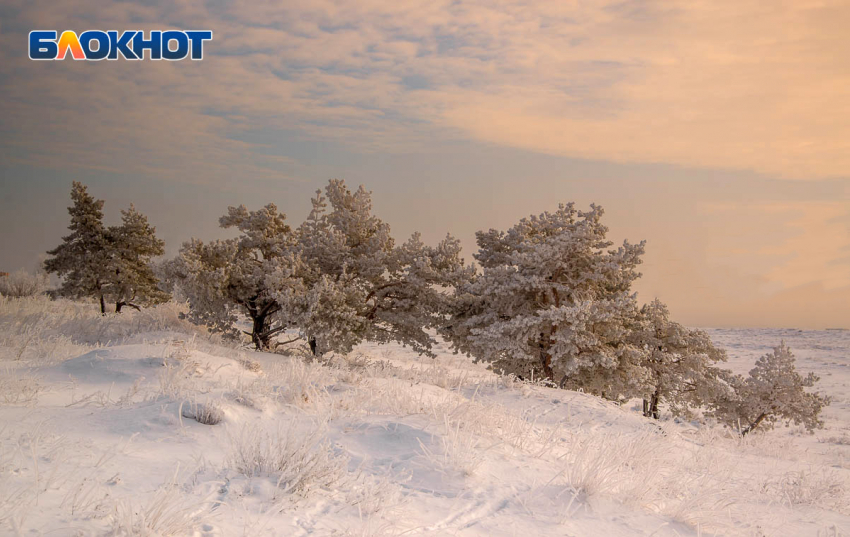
{"type": "Point", "coordinates": [551, 299]}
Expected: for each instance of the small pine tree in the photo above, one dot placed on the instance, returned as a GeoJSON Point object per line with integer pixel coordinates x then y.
{"type": "Point", "coordinates": [82, 259]}
{"type": "Point", "coordinates": [681, 361]}
{"type": "Point", "coordinates": [131, 276]}
{"type": "Point", "coordinates": [773, 392]}
{"type": "Point", "coordinates": [554, 301]}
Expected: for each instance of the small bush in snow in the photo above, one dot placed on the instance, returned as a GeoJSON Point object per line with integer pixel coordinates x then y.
{"type": "Point", "coordinates": [21, 284]}
{"type": "Point", "coordinates": [600, 464]}
{"type": "Point", "coordinates": [250, 365]}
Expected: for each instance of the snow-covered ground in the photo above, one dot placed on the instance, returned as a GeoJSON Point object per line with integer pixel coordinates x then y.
{"type": "Point", "coordinates": [98, 437]}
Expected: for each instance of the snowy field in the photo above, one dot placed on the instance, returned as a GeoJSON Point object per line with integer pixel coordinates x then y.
{"type": "Point", "coordinates": [141, 424]}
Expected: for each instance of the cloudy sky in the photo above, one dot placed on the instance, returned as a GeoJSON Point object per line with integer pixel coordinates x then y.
{"type": "Point", "coordinates": [719, 131]}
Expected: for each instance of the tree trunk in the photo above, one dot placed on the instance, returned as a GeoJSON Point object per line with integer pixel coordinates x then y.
{"type": "Point", "coordinates": [650, 407]}
{"type": "Point", "coordinates": [102, 305]}
{"type": "Point", "coordinates": [546, 357]}
{"type": "Point", "coordinates": [260, 332]}
{"type": "Point", "coordinates": [314, 346]}
{"type": "Point", "coordinates": [754, 424]}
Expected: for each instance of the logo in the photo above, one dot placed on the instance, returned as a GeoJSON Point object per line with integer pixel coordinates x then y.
{"type": "Point", "coordinates": [95, 45]}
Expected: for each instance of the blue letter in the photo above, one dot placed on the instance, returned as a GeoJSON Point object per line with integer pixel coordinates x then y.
{"type": "Point", "coordinates": [198, 38]}
{"type": "Point", "coordinates": [120, 45]}
{"type": "Point", "coordinates": [102, 44]}
{"type": "Point", "coordinates": [154, 44]}
{"type": "Point", "coordinates": [182, 45]}
{"type": "Point", "coordinates": [43, 45]}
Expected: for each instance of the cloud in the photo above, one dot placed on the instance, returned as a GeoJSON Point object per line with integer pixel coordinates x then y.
{"type": "Point", "coordinates": [723, 85]}
{"type": "Point", "coordinates": [742, 85]}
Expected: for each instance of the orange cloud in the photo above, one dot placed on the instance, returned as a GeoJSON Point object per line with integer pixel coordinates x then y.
{"type": "Point", "coordinates": [742, 85]}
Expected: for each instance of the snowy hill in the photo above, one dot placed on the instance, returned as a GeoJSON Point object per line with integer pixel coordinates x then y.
{"type": "Point", "coordinates": [142, 424]}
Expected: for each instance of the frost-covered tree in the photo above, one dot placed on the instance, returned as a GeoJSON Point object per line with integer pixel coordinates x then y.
{"type": "Point", "coordinates": [82, 259]}
{"type": "Point", "coordinates": [200, 273]}
{"type": "Point", "coordinates": [243, 275]}
{"type": "Point", "coordinates": [339, 278]}
{"type": "Point", "coordinates": [681, 362]}
{"type": "Point", "coordinates": [131, 246]}
{"type": "Point", "coordinates": [360, 285]}
{"type": "Point", "coordinates": [773, 392]}
{"type": "Point", "coordinates": [554, 301]}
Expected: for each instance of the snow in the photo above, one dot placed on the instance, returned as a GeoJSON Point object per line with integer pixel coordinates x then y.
{"type": "Point", "coordinates": [94, 441]}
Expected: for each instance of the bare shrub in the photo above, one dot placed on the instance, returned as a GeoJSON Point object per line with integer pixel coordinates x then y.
{"type": "Point", "coordinates": [176, 379]}
{"type": "Point", "coordinates": [19, 388]}
{"type": "Point", "coordinates": [21, 284]}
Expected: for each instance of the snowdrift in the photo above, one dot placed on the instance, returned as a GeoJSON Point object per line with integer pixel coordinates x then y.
{"type": "Point", "coordinates": [141, 424]}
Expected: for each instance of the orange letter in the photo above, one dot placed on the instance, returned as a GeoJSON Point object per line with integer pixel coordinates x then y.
{"type": "Point", "coordinates": [69, 40]}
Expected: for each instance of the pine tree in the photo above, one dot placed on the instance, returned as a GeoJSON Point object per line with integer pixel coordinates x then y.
{"type": "Point", "coordinates": [681, 361]}
{"type": "Point", "coordinates": [772, 392]}
{"type": "Point", "coordinates": [131, 276]}
{"type": "Point", "coordinates": [361, 286]}
{"type": "Point", "coordinates": [106, 263]}
{"type": "Point", "coordinates": [554, 301]}
{"type": "Point", "coordinates": [200, 272]}
{"type": "Point", "coordinates": [82, 259]}
{"type": "Point", "coordinates": [245, 275]}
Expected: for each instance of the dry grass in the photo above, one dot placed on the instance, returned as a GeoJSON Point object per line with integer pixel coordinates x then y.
{"type": "Point", "coordinates": [42, 331]}
{"type": "Point", "coordinates": [168, 512]}
{"type": "Point", "coordinates": [299, 460]}
{"type": "Point", "coordinates": [209, 413]}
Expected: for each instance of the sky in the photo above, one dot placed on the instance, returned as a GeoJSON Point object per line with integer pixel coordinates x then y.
{"type": "Point", "coordinates": [717, 131]}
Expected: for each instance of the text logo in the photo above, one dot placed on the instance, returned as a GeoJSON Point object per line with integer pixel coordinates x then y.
{"type": "Point", "coordinates": [131, 45]}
